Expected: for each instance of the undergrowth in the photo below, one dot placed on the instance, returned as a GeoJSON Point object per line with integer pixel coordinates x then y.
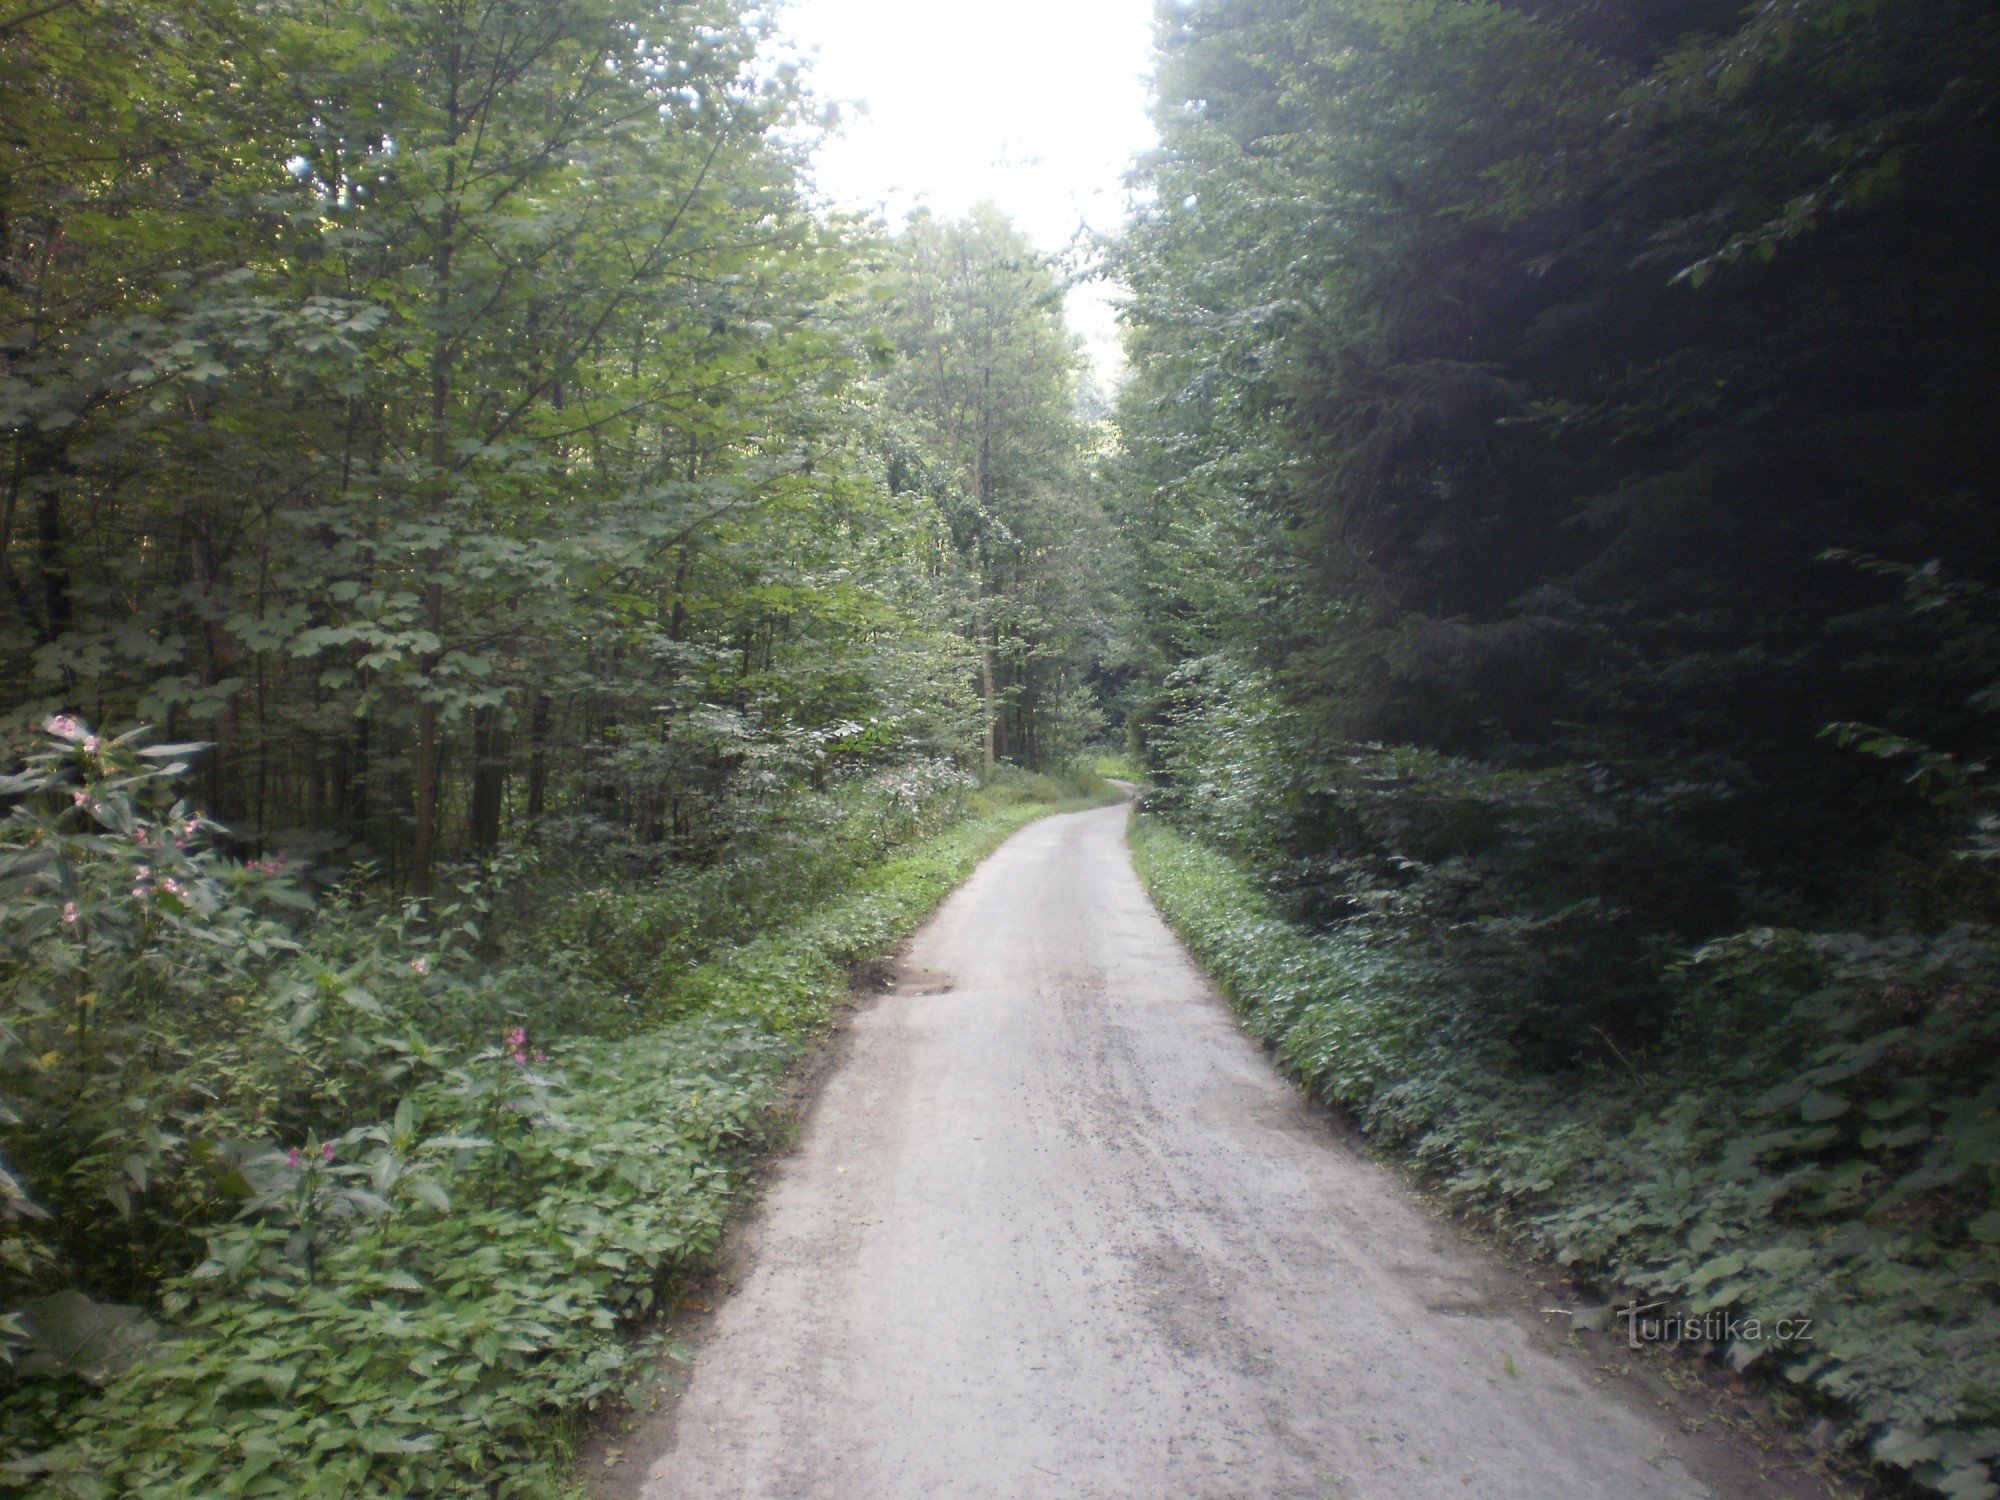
{"type": "Point", "coordinates": [1817, 1137]}
{"type": "Point", "coordinates": [335, 1199]}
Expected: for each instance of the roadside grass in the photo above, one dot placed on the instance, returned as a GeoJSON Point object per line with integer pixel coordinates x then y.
{"type": "Point", "coordinates": [1118, 763]}
{"type": "Point", "coordinates": [432, 1304]}
{"type": "Point", "coordinates": [1797, 1150]}
{"type": "Point", "coordinates": [790, 981]}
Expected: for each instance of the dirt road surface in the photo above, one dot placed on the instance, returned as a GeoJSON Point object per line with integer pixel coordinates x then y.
{"type": "Point", "coordinates": [1056, 1228]}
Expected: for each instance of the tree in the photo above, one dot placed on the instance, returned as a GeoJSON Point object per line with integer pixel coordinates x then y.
{"type": "Point", "coordinates": [1527, 357]}
{"type": "Point", "coordinates": [453, 398]}
{"type": "Point", "coordinates": [987, 373]}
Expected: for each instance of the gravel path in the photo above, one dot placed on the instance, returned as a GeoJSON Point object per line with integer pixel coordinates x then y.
{"type": "Point", "coordinates": [1056, 1228]}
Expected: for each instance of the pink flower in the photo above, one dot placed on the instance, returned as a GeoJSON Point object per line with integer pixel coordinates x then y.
{"type": "Point", "coordinates": [92, 744]}
{"type": "Point", "coordinates": [64, 725]}
{"type": "Point", "coordinates": [292, 1156]}
{"type": "Point", "coordinates": [79, 796]}
{"type": "Point", "coordinates": [420, 965]}
{"type": "Point", "coordinates": [517, 1041]}
{"type": "Point", "coordinates": [171, 886]}
{"type": "Point", "coordinates": [326, 1151]}
{"type": "Point", "coordinates": [70, 913]}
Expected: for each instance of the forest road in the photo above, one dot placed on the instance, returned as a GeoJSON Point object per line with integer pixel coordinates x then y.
{"type": "Point", "coordinates": [1057, 1228]}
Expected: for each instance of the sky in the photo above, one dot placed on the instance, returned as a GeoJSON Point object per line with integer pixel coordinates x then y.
{"type": "Point", "coordinates": [1037, 105]}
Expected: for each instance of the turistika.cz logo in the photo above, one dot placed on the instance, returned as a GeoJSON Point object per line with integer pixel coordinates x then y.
{"type": "Point", "coordinates": [1656, 1323]}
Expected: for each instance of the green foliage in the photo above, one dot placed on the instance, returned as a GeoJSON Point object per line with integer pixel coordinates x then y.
{"type": "Point", "coordinates": [130, 944]}
{"type": "Point", "coordinates": [432, 1347]}
{"type": "Point", "coordinates": [1506, 380]}
{"type": "Point", "coordinates": [986, 390]}
{"type": "Point", "coordinates": [457, 419]}
{"type": "Point", "coordinates": [1816, 1136]}
{"type": "Point", "coordinates": [396, 1185]}
{"type": "Point", "coordinates": [1010, 786]}
{"type": "Point", "coordinates": [1114, 763]}
{"type": "Point", "coordinates": [504, 405]}
{"type": "Point", "coordinates": [1431, 430]}
{"type": "Point", "coordinates": [636, 935]}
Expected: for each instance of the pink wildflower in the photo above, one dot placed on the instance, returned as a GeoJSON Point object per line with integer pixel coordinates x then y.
{"type": "Point", "coordinates": [517, 1041]}
{"type": "Point", "coordinates": [64, 725]}
{"type": "Point", "coordinates": [171, 886]}
{"type": "Point", "coordinates": [70, 913]}
{"type": "Point", "coordinates": [292, 1156]}
{"type": "Point", "coordinates": [79, 796]}
{"type": "Point", "coordinates": [326, 1151]}
{"type": "Point", "coordinates": [92, 744]}
{"type": "Point", "coordinates": [420, 965]}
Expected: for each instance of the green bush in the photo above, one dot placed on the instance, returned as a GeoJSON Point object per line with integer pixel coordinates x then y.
{"type": "Point", "coordinates": [1012, 786]}
{"type": "Point", "coordinates": [163, 1007]}
{"type": "Point", "coordinates": [1108, 763]}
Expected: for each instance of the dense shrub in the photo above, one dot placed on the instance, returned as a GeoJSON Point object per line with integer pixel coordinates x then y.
{"type": "Point", "coordinates": [635, 932]}
{"type": "Point", "coordinates": [1553, 891]}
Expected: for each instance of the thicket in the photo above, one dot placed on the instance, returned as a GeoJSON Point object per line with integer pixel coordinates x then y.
{"type": "Point", "coordinates": [1561, 482]}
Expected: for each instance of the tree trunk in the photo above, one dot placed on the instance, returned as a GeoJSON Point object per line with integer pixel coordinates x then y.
{"type": "Point", "coordinates": [47, 466]}
{"type": "Point", "coordinates": [986, 686]}
{"type": "Point", "coordinates": [489, 779]}
{"type": "Point", "coordinates": [538, 759]}
{"type": "Point", "coordinates": [423, 848]}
